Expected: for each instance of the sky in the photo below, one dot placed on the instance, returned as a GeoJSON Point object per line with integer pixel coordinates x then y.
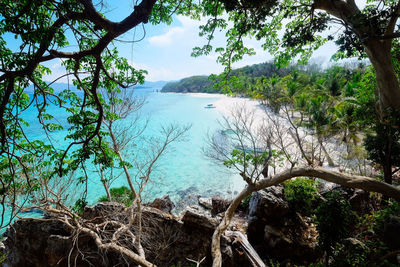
{"type": "Point", "coordinates": [165, 49]}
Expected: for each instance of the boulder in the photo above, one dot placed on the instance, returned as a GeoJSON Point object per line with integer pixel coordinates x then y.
{"type": "Point", "coordinates": [277, 232]}
{"type": "Point", "coordinates": [31, 242]}
{"type": "Point", "coordinates": [205, 202]}
{"type": "Point", "coordinates": [219, 205]}
{"type": "Point", "coordinates": [164, 204]}
{"type": "Point", "coordinates": [166, 239]}
{"type": "Point", "coordinates": [268, 203]}
{"type": "Point", "coordinates": [191, 217]}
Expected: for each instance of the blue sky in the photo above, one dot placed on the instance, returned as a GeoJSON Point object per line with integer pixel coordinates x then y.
{"type": "Point", "coordinates": [165, 50]}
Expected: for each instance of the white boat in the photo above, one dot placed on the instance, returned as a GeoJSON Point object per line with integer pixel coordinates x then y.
{"type": "Point", "coordinates": [210, 106]}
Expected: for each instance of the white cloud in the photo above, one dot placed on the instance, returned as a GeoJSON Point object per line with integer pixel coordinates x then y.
{"type": "Point", "coordinates": [167, 38]}
{"type": "Point", "coordinates": [189, 28]}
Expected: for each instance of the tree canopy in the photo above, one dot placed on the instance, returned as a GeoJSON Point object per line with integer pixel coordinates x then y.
{"type": "Point", "coordinates": [290, 29]}
{"type": "Point", "coordinates": [81, 37]}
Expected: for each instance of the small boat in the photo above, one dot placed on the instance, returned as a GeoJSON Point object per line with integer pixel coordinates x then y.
{"type": "Point", "coordinates": [210, 106]}
{"type": "Point", "coordinates": [227, 131]}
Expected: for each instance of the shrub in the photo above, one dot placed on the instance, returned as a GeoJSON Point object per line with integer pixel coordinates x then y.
{"type": "Point", "coordinates": [333, 219]}
{"type": "Point", "coordinates": [119, 194]}
{"type": "Point", "coordinates": [301, 194]}
{"type": "Point", "coordinates": [383, 215]}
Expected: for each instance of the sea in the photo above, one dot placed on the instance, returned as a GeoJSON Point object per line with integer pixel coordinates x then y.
{"type": "Point", "coordinates": [185, 172]}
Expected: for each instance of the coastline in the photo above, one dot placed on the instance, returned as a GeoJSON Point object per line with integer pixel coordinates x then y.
{"type": "Point", "coordinates": [227, 105]}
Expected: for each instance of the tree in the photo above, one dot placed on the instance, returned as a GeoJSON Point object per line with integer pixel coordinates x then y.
{"type": "Point", "coordinates": [77, 34]}
{"type": "Point", "coordinates": [370, 32]}
{"type": "Point", "coordinates": [35, 171]}
{"type": "Point", "coordinates": [250, 150]}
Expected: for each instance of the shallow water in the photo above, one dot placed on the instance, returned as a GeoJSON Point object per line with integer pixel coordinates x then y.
{"type": "Point", "coordinates": [184, 172]}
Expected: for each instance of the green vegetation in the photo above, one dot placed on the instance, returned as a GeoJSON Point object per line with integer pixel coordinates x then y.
{"type": "Point", "coordinates": [119, 194]}
{"type": "Point", "coordinates": [333, 220]}
{"type": "Point", "coordinates": [247, 75]}
{"type": "Point", "coordinates": [194, 84]}
{"type": "Point", "coordinates": [301, 194]}
{"type": "Point", "coordinates": [358, 105]}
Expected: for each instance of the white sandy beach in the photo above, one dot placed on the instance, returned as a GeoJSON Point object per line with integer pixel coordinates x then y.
{"type": "Point", "coordinates": [226, 104]}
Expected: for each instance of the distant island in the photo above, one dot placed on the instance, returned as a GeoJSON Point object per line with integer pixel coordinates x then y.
{"type": "Point", "coordinates": [202, 84]}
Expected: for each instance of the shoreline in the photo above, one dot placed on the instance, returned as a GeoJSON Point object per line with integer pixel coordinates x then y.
{"type": "Point", "coordinates": [227, 105]}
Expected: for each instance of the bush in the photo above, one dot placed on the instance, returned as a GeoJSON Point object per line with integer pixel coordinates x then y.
{"type": "Point", "coordinates": [119, 194]}
{"type": "Point", "coordinates": [333, 219]}
{"type": "Point", "coordinates": [383, 216]}
{"type": "Point", "coordinates": [301, 194]}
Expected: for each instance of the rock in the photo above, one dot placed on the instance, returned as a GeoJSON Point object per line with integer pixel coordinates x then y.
{"type": "Point", "coordinates": [219, 205]}
{"type": "Point", "coordinates": [275, 238]}
{"type": "Point", "coordinates": [391, 232]}
{"type": "Point", "coordinates": [167, 240]}
{"type": "Point", "coordinates": [164, 204]}
{"type": "Point", "coordinates": [191, 217]}
{"type": "Point", "coordinates": [268, 203]}
{"type": "Point", "coordinates": [37, 243]}
{"type": "Point", "coordinates": [276, 232]}
{"type": "Point", "coordinates": [361, 202]}
{"type": "Point", "coordinates": [326, 187]}
{"type": "Point", "coordinates": [206, 202]}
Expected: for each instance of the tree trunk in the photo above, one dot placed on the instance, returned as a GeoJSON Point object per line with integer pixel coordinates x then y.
{"type": "Point", "coordinates": [104, 182]}
{"type": "Point", "coordinates": [388, 84]}
{"type": "Point", "coordinates": [387, 166]}
{"type": "Point", "coordinates": [328, 158]}
{"type": "Point", "coordinates": [226, 220]}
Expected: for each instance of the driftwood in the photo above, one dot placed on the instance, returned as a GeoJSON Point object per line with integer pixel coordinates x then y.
{"type": "Point", "coordinates": [248, 249]}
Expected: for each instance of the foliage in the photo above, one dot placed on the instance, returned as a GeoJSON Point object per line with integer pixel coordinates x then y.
{"type": "Point", "coordinates": [382, 216]}
{"type": "Point", "coordinates": [79, 35]}
{"type": "Point", "coordinates": [246, 158]}
{"type": "Point", "coordinates": [383, 145]}
{"type": "Point", "coordinates": [351, 255]}
{"type": "Point", "coordinates": [333, 218]}
{"type": "Point", "coordinates": [119, 194]}
{"type": "Point", "coordinates": [246, 78]}
{"type": "Point", "coordinates": [244, 205]}
{"type": "Point", "coordinates": [194, 84]}
{"type": "Point", "coordinates": [301, 194]}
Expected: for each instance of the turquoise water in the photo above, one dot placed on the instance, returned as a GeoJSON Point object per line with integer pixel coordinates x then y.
{"type": "Point", "coordinates": [184, 172]}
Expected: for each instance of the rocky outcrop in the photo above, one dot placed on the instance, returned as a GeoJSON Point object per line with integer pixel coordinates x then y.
{"type": "Point", "coordinates": [275, 231]}
{"type": "Point", "coordinates": [219, 205]}
{"type": "Point", "coordinates": [167, 240]}
{"type": "Point", "coordinates": [164, 204]}
{"type": "Point", "coordinates": [361, 201]}
{"type": "Point", "coordinates": [30, 242]}
{"type": "Point", "coordinates": [205, 202]}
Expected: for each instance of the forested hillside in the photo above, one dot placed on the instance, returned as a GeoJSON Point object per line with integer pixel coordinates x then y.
{"type": "Point", "coordinates": [204, 84]}
{"type": "Point", "coordinates": [194, 84]}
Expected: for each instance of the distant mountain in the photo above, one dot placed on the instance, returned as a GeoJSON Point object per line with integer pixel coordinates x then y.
{"type": "Point", "coordinates": [201, 84]}
{"type": "Point", "coordinates": [194, 84]}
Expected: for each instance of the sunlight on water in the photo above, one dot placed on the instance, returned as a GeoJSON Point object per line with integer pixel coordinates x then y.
{"type": "Point", "coordinates": [184, 172]}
